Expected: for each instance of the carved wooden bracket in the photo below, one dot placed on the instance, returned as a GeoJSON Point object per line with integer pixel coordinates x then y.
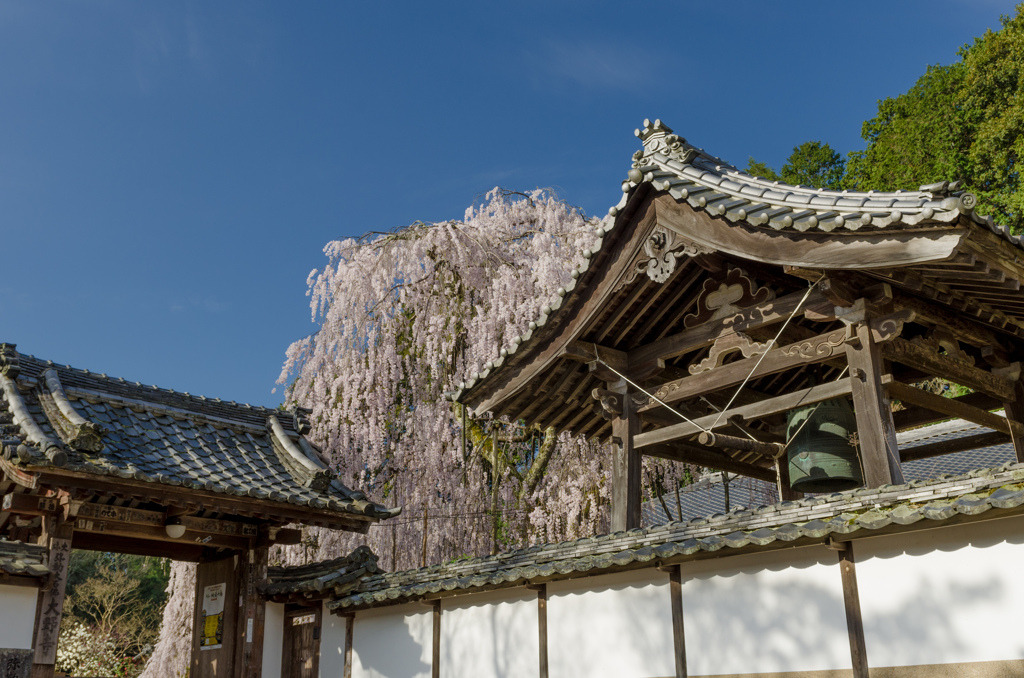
{"type": "Point", "coordinates": [818, 347]}
{"type": "Point", "coordinates": [941, 340]}
{"type": "Point", "coordinates": [611, 402]}
{"type": "Point", "coordinates": [721, 299]}
{"type": "Point", "coordinates": [726, 345]}
{"type": "Point", "coordinates": [662, 250]}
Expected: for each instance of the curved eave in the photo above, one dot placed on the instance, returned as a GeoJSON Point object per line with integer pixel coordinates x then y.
{"type": "Point", "coordinates": [605, 263]}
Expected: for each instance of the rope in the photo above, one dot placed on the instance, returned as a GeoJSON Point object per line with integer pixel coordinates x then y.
{"type": "Point", "coordinates": [646, 393]}
{"type": "Point", "coordinates": [768, 350]}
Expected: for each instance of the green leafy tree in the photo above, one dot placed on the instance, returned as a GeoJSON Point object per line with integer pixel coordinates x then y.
{"type": "Point", "coordinates": [917, 137]}
{"type": "Point", "coordinates": [813, 163]}
{"type": "Point", "coordinates": [760, 169]}
{"type": "Point", "coordinates": [961, 121]}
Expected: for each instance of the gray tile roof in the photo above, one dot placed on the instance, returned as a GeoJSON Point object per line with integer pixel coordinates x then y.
{"type": "Point", "coordinates": [57, 418]}
{"type": "Point", "coordinates": [707, 496]}
{"type": "Point", "coordinates": [711, 184]}
{"type": "Point", "coordinates": [668, 163]}
{"type": "Point", "coordinates": [22, 560]}
{"type": "Point", "coordinates": [809, 520]}
{"type": "Point", "coordinates": [335, 577]}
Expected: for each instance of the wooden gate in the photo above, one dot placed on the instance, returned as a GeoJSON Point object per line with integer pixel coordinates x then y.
{"type": "Point", "coordinates": [301, 655]}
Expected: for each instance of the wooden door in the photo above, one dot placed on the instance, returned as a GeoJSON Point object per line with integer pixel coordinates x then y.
{"type": "Point", "coordinates": [301, 655]}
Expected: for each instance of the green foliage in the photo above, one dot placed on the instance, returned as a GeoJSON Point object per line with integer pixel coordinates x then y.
{"type": "Point", "coordinates": [916, 138]}
{"type": "Point", "coordinates": [760, 169]}
{"type": "Point", "coordinates": [813, 163]}
{"type": "Point", "coordinates": [962, 121]}
{"type": "Point", "coordinates": [114, 601]}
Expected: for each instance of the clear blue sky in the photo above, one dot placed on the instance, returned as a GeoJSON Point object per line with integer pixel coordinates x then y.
{"type": "Point", "coordinates": [170, 171]}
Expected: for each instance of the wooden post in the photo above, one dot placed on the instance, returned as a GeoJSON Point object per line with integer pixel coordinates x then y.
{"type": "Point", "coordinates": [250, 574]}
{"type": "Point", "coordinates": [675, 585]}
{"type": "Point", "coordinates": [786, 491]}
{"type": "Point", "coordinates": [1015, 412]}
{"type": "Point", "coordinates": [216, 588]}
{"type": "Point", "coordinates": [424, 559]}
{"type": "Point", "coordinates": [875, 430]}
{"type": "Point", "coordinates": [435, 665]}
{"type": "Point", "coordinates": [854, 623]}
{"type": "Point", "coordinates": [626, 465]}
{"type": "Point", "coordinates": [350, 622]}
{"type": "Point", "coordinates": [56, 536]}
{"type": "Point", "coordinates": [494, 489]}
{"type": "Point", "coordinates": [542, 628]}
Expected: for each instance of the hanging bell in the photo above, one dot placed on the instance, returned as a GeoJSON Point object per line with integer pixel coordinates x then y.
{"type": "Point", "coordinates": [822, 457]}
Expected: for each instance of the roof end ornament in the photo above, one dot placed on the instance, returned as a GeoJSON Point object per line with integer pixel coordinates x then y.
{"type": "Point", "coordinates": [76, 430]}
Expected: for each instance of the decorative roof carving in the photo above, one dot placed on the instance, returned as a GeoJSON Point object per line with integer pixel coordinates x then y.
{"type": "Point", "coordinates": [72, 427]}
{"type": "Point", "coordinates": [722, 299]}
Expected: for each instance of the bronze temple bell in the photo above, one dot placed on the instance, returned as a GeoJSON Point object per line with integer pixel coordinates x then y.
{"type": "Point", "coordinates": [822, 457]}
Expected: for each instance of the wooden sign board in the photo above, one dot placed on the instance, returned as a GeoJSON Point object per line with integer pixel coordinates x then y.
{"type": "Point", "coordinates": [53, 603]}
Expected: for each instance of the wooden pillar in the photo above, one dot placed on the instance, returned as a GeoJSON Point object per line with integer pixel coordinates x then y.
{"type": "Point", "coordinates": [854, 623]}
{"type": "Point", "coordinates": [782, 482]}
{"type": "Point", "coordinates": [56, 536]}
{"type": "Point", "coordinates": [213, 652]}
{"type": "Point", "coordinates": [435, 664]}
{"type": "Point", "coordinates": [1015, 413]}
{"type": "Point", "coordinates": [675, 586]}
{"type": "Point", "coordinates": [542, 627]}
{"type": "Point", "coordinates": [626, 467]}
{"type": "Point", "coordinates": [875, 430]}
{"type": "Point", "coordinates": [250, 573]}
{"type": "Point", "coordinates": [350, 623]}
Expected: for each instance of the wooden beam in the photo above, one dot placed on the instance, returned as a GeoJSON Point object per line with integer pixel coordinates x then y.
{"type": "Point", "coordinates": [854, 621]}
{"type": "Point", "coordinates": [819, 349]}
{"type": "Point", "coordinates": [626, 468]}
{"type": "Point", "coordinates": [29, 504]}
{"type": "Point", "coordinates": [941, 447]}
{"type": "Point", "coordinates": [205, 500]}
{"type": "Point", "coordinates": [768, 313]}
{"type": "Point", "coordinates": [927, 360]}
{"type": "Point", "coordinates": [702, 456]}
{"type": "Point", "coordinates": [726, 442]}
{"type": "Point", "coordinates": [750, 412]}
{"type": "Point", "coordinates": [90, 541]}
{"type": "Point", "coordinates": [158, 533]}
{"type": "Point", "coordinates": [675, 587]}
{"type": "Point", "coordinates": [951, 407]}
{"type": "Point", "coordinates": [915, 416]}
{"type": "Point", "coordinates": [875, 430]}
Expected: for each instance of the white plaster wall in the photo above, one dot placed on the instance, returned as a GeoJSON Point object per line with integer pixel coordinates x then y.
{"type": "Point", "coordinates": [611, 626]}
{"type": "Point", "coordinates": [393, 642]}
{"type": "Point", "coordinates": [490, 635]}
{"type": "Point", "coordinates": [17, 615]}
{"type": "Point", "coordinates": [273, 640]}
{"type": "Point", "coordinates": [767, 612]}
{"type": "Point", "coordinates": [332, 645]}
{"type": "Point", "coordinates": [952, 594]}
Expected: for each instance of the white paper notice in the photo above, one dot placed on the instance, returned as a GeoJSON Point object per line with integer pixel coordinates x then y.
{"type": "Point", "coordinates": [213, 617]}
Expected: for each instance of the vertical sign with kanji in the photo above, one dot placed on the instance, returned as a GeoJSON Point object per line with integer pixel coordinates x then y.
{"type": "Point", "coordinates": [213, 617]}
{"type": "Point", "coordinates": [53, 603]}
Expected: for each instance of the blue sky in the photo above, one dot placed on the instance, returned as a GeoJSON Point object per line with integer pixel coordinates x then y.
{"type": "Point", "coordinates": [170, 171]}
